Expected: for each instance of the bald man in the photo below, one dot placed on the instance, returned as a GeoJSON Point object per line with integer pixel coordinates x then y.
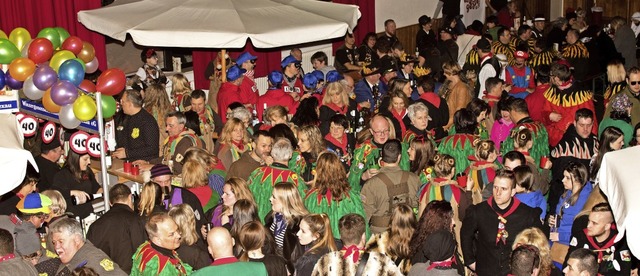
{"type": "Point", "coordinates": [220, 245]}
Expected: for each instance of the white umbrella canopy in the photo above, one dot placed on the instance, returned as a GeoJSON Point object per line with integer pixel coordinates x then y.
{"type": "Point", "coordinates": [222, 23]}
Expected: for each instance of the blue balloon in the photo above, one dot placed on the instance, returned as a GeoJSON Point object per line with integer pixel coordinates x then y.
{"type": "Point", "coordinates": [2, 82]}
{"type": "Point", "coordinates": [72, 71]}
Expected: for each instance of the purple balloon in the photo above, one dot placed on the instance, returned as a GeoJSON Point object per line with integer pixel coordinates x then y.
{"type": "Point", "coordinates": [63, 93]}
{"type": "Point", "coordinates": [44, 77]}
{"type": "Point", "coordinates": [2, 81]}
{"type": "Point", "coordinates": [11, 82]}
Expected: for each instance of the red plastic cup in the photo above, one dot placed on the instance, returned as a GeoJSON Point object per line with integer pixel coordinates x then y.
{"type": "Point", "coordinates": [462, 181]}
{"type": "Point", "coordinates": [543, 161]}
{"type": "Point", "coordinates": [126, 166]}
{"type": "Point", "coordinates": [135, 170]}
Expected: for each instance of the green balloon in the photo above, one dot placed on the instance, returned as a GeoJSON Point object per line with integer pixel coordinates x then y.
{"type": "Point", "coordinates": [8, 51]}
{"type": "Point", "coordinates": [84, 67]}
{"type": "Point", "coordinates": [108, 106]}
{"type": "Point", "coordinates": [63, 34]}
{"type": "Point", "coordinates": [52, 35]}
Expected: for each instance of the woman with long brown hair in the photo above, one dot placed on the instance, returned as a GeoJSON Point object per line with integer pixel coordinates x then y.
{"type": "Point", "coordinates": [283, 221]}
{"type": "Point", "coordinates": [438, 215]}
{"type": "Point", "coordinates": [455, 91]}
{"type": "Point", "coordinates": [234, 190]}
{"type": "Point", "coordinates": [252, 238]}
{"type": "Point", "coordinates": [395, 242]}
{"type": "Point", "coordinates": [311, 144]}
{"type": "Point", "coordinates": [577, 188]}
{"type": "Point", "coordinates": [316, 237]}
{"type": "Point", "coordinates": [331, 193]}
{"type": "Point", "coordinates": [76, 181]}
{"type": "Point", "coordinates": [157, 103]}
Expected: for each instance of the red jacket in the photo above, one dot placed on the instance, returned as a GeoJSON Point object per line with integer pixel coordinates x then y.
{"type": "Point", "coordinates": [535, 102]}
{"type": "Point", "coordinates": [275, 97]}
{"type": "Point", "coordinates": [565, 102]}
{"type": "Point", "coordinates": [228, 94]}
{"type": "Point", "coordinates": [248, 91]}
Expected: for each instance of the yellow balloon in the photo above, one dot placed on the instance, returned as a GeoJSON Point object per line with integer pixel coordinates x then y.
{"type": "Point", "coordinates": [60, 57]}
{"type": "Point", "coordinates": [3, 35]}
{"type": "Point", "coordinates": [20, 37]}
{"type": "Point", "coordinates": [84, 108]}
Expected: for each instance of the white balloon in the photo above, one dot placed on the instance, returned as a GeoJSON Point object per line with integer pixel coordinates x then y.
{"type": "Point", "coordinates": [68, 118]}
{"type": "Point", "coordinates": [30, 90]}
{"type": "Point", "coordinates": [92, 66]}
{"type": "Point", "coordinates": [25, 49]}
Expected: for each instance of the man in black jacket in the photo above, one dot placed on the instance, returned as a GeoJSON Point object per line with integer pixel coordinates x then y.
{"type": "Point", "coordinates": [489, 228]}
{"type": "Point", "coordinates": [119, 231]}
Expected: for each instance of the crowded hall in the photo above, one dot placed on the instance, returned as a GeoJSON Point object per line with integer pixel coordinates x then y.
{"type": "Point", "coordinates": [350, 137]}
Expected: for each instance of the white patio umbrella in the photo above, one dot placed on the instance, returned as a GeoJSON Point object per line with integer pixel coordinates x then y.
{"type": "Point", "coordinates": [222, 23]}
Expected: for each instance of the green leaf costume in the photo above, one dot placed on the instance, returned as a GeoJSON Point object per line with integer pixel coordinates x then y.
{"type": "Point", "coordinates": [262, 180]}
{"type": "Point", "coordinates": [540, 140]}
{"type": "Point", "coordinates": [318, 203]}
{"type": "Point", "coordinates": [366, 156]}
{"type": "Point", "coordinates": [149, 262]}
{"type": "Point", "coordinates": [460, 147]}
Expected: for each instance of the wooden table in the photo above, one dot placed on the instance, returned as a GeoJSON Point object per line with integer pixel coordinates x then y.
{"type": "Point", "coordinates": [116, 169]}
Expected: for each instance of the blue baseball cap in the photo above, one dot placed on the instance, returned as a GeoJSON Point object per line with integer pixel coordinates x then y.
{"type": "Point", "coordinates": [333, 76]}
{"type": "Point", "coordinates": [244, 57]}
{"type": "Point", "coordinates": [275, 77]}
{"type": "Point", "coordinates": [288, 60]}
{"type": "Point", "coordinates": [234, 73]}
{"type": "Point", "coordinates": [310, 81]}
{"type": "Point", "coordinates": [319, 75]}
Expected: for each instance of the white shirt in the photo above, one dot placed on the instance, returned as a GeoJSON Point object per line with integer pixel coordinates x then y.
{"type": "Point", "coordinates": [485, 73]}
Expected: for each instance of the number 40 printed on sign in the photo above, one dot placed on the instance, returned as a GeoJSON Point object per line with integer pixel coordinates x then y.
{"type": "Point", "coordinates": [78, 142]}
{"type": "Point", "coordinates": [93, 145]}
{"type": "Point", "coordinates": [28, 125]}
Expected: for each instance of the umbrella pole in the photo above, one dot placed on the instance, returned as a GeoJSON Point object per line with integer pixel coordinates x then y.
{"type": "Point", "coordinates": [224, 65]}
{"type": "Point", "coordinates": [103, 161]}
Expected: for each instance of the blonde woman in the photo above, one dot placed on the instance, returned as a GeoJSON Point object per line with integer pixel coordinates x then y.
{"type": "Point", "coordinates": [311, 144]}
{"type": "Point", "coordinates": [216, 173]}
{"type": "Point", "coordinates": [150, 199]}
{"type": "Point", "coordinates": [192, 250]}
{"type": "Point", "coordinates": [157, 103]}
{"type": "Point", "coordinates": [234, 189]}
{"type": "Point", "coordinates": [180, 93]}
{"type": "Point", "coordinates": [58, 205]}
{"type": "Point", "coordinates": [283, 221]}
{"type": "Point", "coordinates": [234, 141]}
{"type": "Point", "coordinates": [616, 76]}
{"type": "Point", "coordinates": [195, 178]}
{"type": "Point", "coordinates": [336, 101]}
{"type": "Point", "coordinates": [534, 236]}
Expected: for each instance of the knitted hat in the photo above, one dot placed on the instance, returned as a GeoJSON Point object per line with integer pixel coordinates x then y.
{"type": "Point", "coordinates": [27, 241]}
{"type": "Point", "coordinates": [160, 170]}
{"type": "Point", "coordinates": [621, 103]}
{"type": "Point", "coordinates": [34, 203]}
{"type": "Point", "coordinates": [53, 145]}
{"type": "Point", "coordinates": [439, 246]}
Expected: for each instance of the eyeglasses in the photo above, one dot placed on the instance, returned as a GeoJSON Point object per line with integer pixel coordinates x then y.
{"type": "Point", "coordinates": [253, 61]}
{"type": "Point", "coordinates": [381, 132]}
{"type": "Point", "coordinates": [634, 82]}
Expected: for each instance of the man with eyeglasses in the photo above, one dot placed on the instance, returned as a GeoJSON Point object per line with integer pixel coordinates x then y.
{"type": "Point", "coordinates": [48, 162]}
{"type": "Point", "coordinates": [365, 157]}
{"type": "Point", "coordinates": [633, 93]}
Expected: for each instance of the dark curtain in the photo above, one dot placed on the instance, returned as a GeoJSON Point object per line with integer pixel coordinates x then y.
{"type": "Point", "coordinates": [366, 23]}
{"type": "Point", "coordinates": [34, 15]}
{"type": "Point", "coordinates": [268, 60]}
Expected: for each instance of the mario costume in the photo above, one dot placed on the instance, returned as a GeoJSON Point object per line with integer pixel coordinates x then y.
{"type": "Point", "coordinates": [522, 78]}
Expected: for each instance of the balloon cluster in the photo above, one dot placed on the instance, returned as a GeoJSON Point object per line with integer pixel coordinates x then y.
{"type": "Point", "coordinates": [51, 68]}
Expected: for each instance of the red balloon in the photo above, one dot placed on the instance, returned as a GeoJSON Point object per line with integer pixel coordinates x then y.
{"type": "Point", "coordinates": [73, 44]}
{"type": "Point", "coordinates": [88, 86]}
{"type": "Point", "coordinates": [40, 50]}
{"type": "Point", "coordinates": [111, 82]}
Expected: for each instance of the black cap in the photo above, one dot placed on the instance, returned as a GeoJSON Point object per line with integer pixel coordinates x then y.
{"type": "Point", "coordinates": [483, 45]}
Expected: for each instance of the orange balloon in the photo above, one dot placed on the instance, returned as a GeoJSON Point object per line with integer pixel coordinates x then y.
{"type": "Point", "coordinates": [87, 53]}
{"type": "Point", "coordinates": [22, 68]}
{"type": "Point", "coordinates": [48, 103]}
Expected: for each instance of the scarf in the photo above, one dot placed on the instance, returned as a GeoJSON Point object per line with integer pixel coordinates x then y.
{"type": "Point", "coordinates": [342, 110]}
{"type": "Point", "coordinates": [342, 143]}
{"type": "Point", "coordinates": [7, 257]}
{"type": "Point", "coordinates": [399, 117]}
{"type": "Point", "coordinates": [239, 145]}
{"type": "Point", "coordinates": [353, 251]}
{"type": "Point", "coordinates": [502, 224]}
{"type": "Point", "coordinates": [441, 265]}
{"type": "Point", "coordinates": [281, 224]}
{"type": "Point", "coordinates": [432, 98]}
{"type": "Point", "coordinates": [604, 247]}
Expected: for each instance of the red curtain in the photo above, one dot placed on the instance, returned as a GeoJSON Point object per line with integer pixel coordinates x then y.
{"type": "Point", "coordinates": [366, 23]}
{"type": "Point", "coordinates": [268, 60]}
{"type": "Point", "coordinates": [34, 15]}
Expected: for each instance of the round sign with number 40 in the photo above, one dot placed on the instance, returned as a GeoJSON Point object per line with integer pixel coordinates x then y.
{"type": "Point", "coordinates": [48, 132]}
{"type": "Point", "coordinates": [29, 125]}
{"type": "Point", "coordinates": [93, 145]}
{"type": "Point", "coordinates": [78, 142]}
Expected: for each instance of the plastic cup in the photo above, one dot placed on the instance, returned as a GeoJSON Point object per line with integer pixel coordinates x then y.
{"type": "Point", "coordinates": [126, 166]}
